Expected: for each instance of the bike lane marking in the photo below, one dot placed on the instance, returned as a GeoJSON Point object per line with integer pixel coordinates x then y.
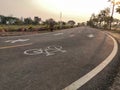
{"type": "Point", "coordinates": [6, 47]}
{"type": "Point", "coordinates": [87, 77]}
{"type": "Point", "coordinates": [48, 51]}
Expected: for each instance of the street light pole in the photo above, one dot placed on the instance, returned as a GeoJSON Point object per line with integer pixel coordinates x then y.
{"type": "Point", "coordinates": [60, 20]}
{"type": "Point", "coordinates": [111, 19]}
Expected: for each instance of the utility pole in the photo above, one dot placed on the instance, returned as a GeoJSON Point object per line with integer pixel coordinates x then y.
{"type": "Point", "coordinates": [60, 20]}
{"type": "Point", "coordinates": [111, 18]}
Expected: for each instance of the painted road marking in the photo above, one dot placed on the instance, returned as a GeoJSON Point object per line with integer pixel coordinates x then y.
{"type": "Point", "coordinates": [80, 82]}
{"type": "Point", "coordinates": [18, 40]}
{"type": "Point", "coordinates": [50, 50]}
{"type": "Point", "coordinates": [72, 35]}
{"type": "Point", "coordinates": [90, 36]}
{"type": "Point", "coordinates": [33, 51]}
{"type": "Point", "coordinates": [6, 47]}
{"type": "Point", "coordinates": [57, 34]}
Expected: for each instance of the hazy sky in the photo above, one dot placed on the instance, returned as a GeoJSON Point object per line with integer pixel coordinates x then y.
{"type": "Point", "coordinates": [78, 10]}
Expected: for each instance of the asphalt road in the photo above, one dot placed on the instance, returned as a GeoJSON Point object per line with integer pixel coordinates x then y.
{"type": "Point", "coordinates": [52, 61]}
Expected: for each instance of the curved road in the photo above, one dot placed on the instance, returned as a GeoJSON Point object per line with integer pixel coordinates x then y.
{"type": "Point", "coordinates": [52, 61]}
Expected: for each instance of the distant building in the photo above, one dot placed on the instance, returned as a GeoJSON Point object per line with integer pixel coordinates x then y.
{"type": "Point", "coordinates": [37, 20]}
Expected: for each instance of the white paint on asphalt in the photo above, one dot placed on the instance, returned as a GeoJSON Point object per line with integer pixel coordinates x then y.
{"type": "Point", "coordinates": [80, 82]}
{"type": "Point", "coordinates": [72, 35]}
{"type": "Point", "coordinates": [50, 50]}
{"type": "Point", "coordinates": [18, 40]}
{"type": "Point", "coordinates": [57, 34]}
{"type": "Point", "coordinates": [90, 36]}
{"type": "Point", "coordinates": [33, 51]}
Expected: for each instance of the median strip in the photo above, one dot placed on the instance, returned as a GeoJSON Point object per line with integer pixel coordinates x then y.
{"type": "Point", "coordinates": [6, 47]}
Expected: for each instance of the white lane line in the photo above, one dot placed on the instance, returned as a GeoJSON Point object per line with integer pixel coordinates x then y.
{"type": "Point", "coordinates": [18, 40]}
{"type": "Point", "coordinates": [80, 82]}
{"type": "Point", "coordinates": [58, 34]}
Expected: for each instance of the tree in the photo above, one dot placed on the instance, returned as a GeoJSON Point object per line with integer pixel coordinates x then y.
{"type": "Point", "coordinates": [19, 22]}
{"type": "Point", "coordinates": [116, 22]}
{"type": "Point", "coordinates": [11, 20]}
{"type": "Point", "coordinates": [50, 23]}
{"type": "Point", "coordinates": [8, 20]}
{"type": "Point", "coordinates": [28, 21]}
{"type": "Point", "coordinates": [118, 9]}
{"type": "Point", "coordinates": [71, 23]}
{"type": "Point", "coordinates": [113, 3]}
{"type": "Point", "coordinates": [92, 16]}
{"type": "Point", "coordinates": [14, 20]}
{"type": "Point", "coordinates": [37, 20]}
{"type": "Point", "coordinates": [93, 22]}
{"type": "Point", "coordinates": [2, 19]}
{"type": "Point", "coordinates": [101, 19]}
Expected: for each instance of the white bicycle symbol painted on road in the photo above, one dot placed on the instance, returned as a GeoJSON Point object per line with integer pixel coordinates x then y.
{"type": "Point", "coordinates": [50, 50]}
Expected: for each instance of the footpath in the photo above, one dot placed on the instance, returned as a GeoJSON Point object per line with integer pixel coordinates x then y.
{"type": "Point", "coordinates": [116, 83]}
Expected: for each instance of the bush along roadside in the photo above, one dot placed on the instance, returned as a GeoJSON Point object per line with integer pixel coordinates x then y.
{"type": "Point", "coordinates": [15, 30]}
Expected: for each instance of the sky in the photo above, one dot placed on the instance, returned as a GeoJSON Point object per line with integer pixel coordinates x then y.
{"type": "Point", "coordinates": [77, 10]}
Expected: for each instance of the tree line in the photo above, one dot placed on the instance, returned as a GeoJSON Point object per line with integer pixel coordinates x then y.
{"type": "Point", "coordinates": [10, 24]}
{"type": "Point", "coordinates": [10, 20]}
{"type": "Point", "coordinates": [105, 19]}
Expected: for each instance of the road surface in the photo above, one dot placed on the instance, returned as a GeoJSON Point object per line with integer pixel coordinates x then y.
{"type": "Point", "coordinates": [55, 61]}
